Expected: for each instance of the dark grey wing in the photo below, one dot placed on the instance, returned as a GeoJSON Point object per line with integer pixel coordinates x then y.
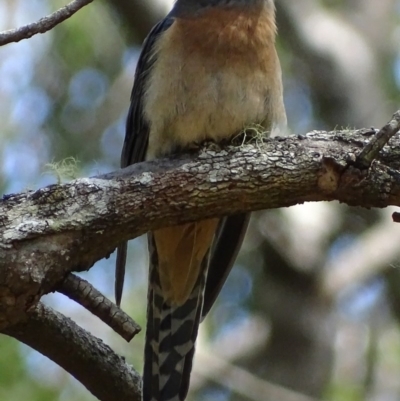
{"type": "Point", "coordinates": [137, 131]}
{"type": "Point", "coordinates": [228, 241]}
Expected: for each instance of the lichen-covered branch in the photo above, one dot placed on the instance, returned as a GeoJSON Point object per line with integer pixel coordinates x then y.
{"type": "Point", "coordinates": [46, 234]}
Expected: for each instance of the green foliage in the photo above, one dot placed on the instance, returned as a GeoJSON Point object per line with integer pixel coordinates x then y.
{"type": "Point", "coordinates": [15, 380]}
{"type": "Point", "coordinates": [344, 392]}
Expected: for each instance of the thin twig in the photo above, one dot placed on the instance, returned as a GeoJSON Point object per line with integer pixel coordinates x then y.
{"type": "Point", "coordinates": [44, 24]}
{"type": "Point", "coordinates": [371, 151]}
{"type": "Point", "coordinates": [94, 301]}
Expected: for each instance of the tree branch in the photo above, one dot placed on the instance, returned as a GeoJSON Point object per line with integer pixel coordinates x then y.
{"type": "Point", "coordinates": [372, 149]}
{"type": "Point", "coordinates": [82, 292]}
{"type": "Point", "coordinates": [46, 234]}
{"type": "Point", "coordinates": [44, 24]}
{"type": "Point", "coordinates": [87, 358]}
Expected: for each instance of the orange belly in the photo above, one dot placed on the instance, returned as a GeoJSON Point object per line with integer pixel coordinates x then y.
{"type": "Point", "coordinates": [214, 76]}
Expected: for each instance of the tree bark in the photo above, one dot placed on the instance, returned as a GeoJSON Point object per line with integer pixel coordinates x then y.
{"type": "Point", "coordinates": [104, 373]}
{"type": "Point", "coordinates": [48, 233]}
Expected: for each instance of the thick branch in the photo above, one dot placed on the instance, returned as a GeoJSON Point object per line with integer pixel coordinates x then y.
{"type": "Point", "coordinates": [87, 358]}
{"type": "Point", "coordinates": [46, 234]}
{"type": "Point", "coordinates": [44, 24]}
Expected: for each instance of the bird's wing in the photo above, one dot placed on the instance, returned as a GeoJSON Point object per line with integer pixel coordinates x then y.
{"type": "Point", "coordinates": [137, 131]}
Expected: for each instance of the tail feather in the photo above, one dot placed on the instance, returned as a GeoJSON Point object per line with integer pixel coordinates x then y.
{"type": "Point", "coordinates": [170, 338]}
{"type": "Point", "coordinates": [120, 271]}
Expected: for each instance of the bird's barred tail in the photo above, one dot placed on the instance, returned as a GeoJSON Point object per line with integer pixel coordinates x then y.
{"type": "Point", "coordinates": [170, 337]}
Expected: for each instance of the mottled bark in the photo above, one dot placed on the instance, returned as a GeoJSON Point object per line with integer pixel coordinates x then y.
{"type": "Point", "coordinates": [48, 233]}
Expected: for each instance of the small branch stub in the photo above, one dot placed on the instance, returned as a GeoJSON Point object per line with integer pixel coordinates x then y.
{"type": "Point", "coordinates": [94, 301]}
{"type": "Point", "coordinates": [396, 217]}
{"type": "Point", "coordinates": [372, 149]}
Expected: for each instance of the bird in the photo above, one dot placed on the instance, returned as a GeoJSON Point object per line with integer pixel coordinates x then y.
{"type": "Point", "coordinates": [206, 71]}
